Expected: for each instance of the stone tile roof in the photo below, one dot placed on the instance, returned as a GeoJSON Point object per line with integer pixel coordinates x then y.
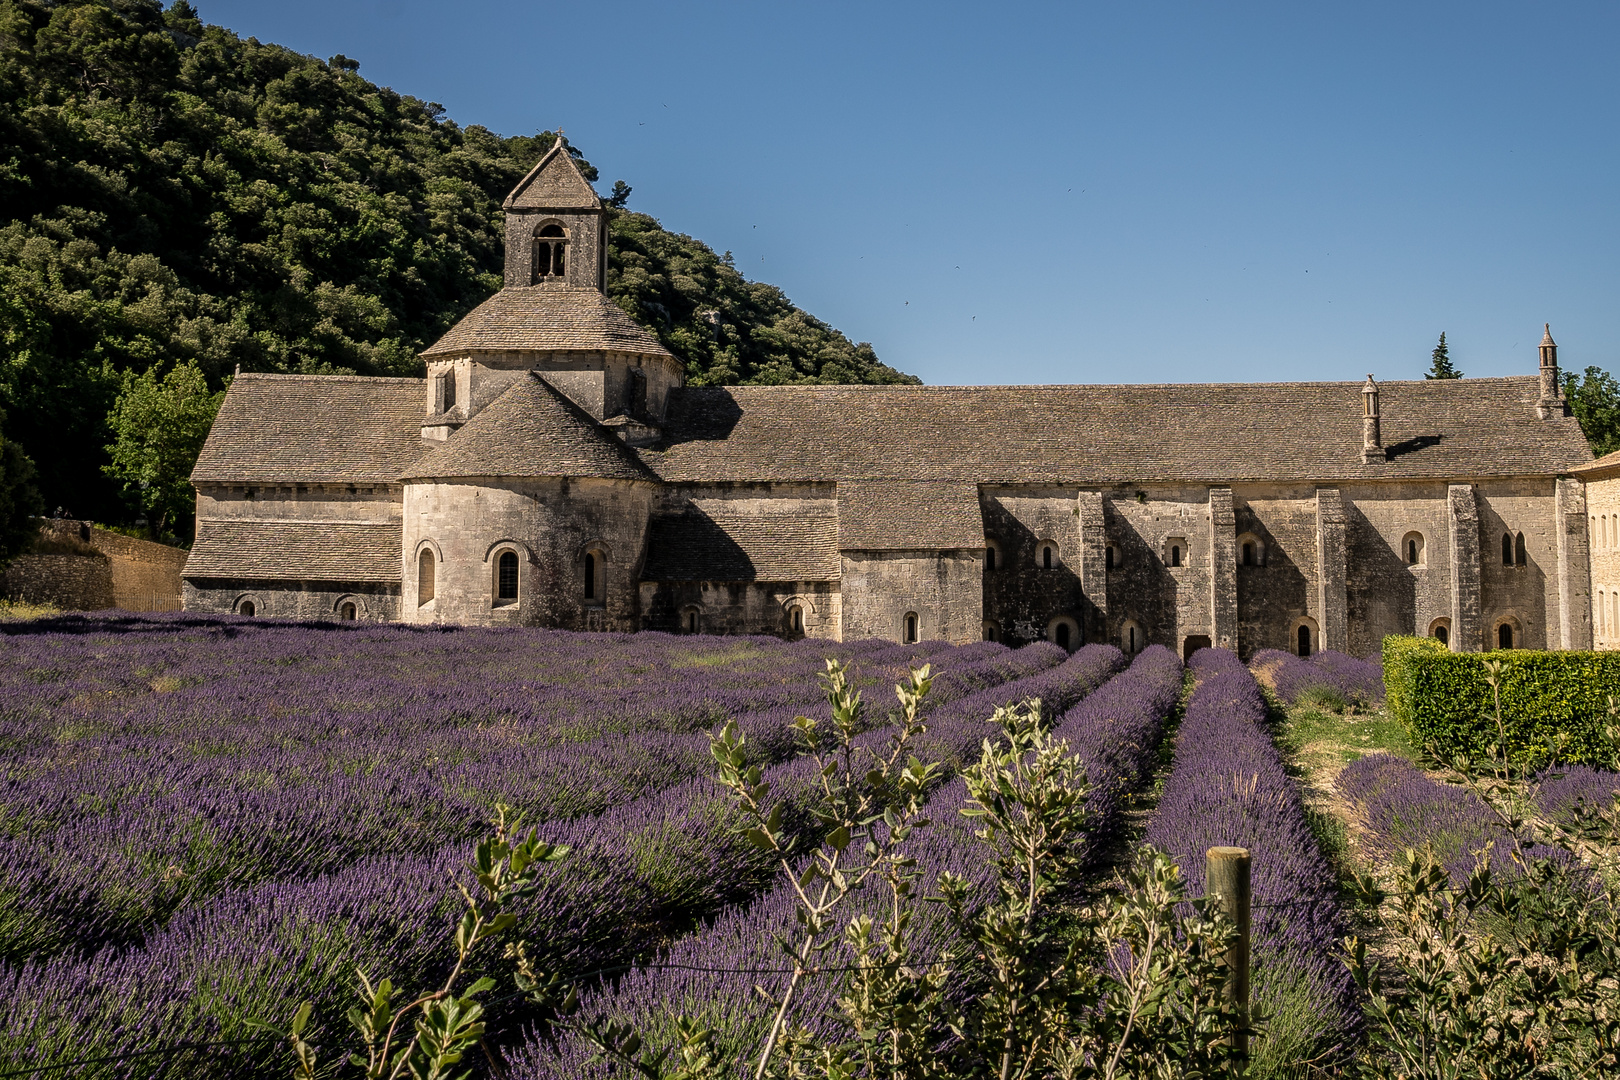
{"type": "Point", "coordinates": [338, 551]}
{"type": "Point", "coordinates": [555, 183]}
{"type": "Point", "coordinates": [745, 540]}
{"type": "Point", "coordinates": [292, 429]}
{"type": "Point", "coordinates": [550, 316]}
{"type": "Point", "coordinates": [531, 429]}
{"type": "Point", "coordinates": [1219, 432]}
{"type": "Point", "coordinates": [908, 515]}
{"type": "Point", "coordinates": [1604, 468]}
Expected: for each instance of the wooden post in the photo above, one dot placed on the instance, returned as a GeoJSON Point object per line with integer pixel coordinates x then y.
{"type": "Point", "coordinates": [1226, 879]}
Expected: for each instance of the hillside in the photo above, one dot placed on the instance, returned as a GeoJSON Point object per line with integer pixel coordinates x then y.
{"type": "Point", "coordinates": [170, 192]}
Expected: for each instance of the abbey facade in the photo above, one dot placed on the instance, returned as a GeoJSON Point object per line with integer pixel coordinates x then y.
{"type": "Point", "coordinates": [553, 470]}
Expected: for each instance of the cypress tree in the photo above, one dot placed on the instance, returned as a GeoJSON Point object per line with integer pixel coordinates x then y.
{"type": "Point", "coordinates": [1441, 366]}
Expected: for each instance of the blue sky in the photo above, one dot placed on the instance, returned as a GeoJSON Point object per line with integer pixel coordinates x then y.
{"type": "Point", "coordinates": [1029, 193]}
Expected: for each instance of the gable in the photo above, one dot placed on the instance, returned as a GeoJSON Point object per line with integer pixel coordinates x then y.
{"type": "Point", "coordinates": [555, 183]}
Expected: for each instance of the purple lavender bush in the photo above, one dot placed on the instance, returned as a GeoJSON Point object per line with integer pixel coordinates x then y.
{"type": "Point", "coordinates": [1332, 679]}
{"type": "Point", "coordinates": [1403, 808]}
{"type": "Point", "coordinates": [1228, 786]}
{"type": "Point", "coordinates": [1114, 730]}
{"type": "Point", "coordinates": [1561, 791]}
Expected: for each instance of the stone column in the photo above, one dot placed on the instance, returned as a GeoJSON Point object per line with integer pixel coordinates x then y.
{"type": "Point", "coordinates": [1574, 565]}
{"type": "Point", "coordinates": [1463, 511]}
{"type": "Point", "coordinates": [1333, 606]}
{"type": "Point", "coordinates": [1222, 569]}
{"type": "Point", "coordinates": [1093, 565]}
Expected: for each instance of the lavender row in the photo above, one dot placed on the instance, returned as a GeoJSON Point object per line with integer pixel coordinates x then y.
{"type": "Point", "coordinates": [1114, 731]}
{"type": "Point", "coordinates": [1228, 786]}
{"type": "Point", "coordinates": [1562, 790]}
{"type": "Point", "coordinates": [641, 873]}
{"type": "Point", "coordinates": [1403, 808]}
{"type": "Point", "coordinates": [1331, 677]}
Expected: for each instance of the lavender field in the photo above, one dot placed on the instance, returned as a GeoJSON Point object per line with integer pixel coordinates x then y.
{"type": "Point", "coordinates": [208, 820]}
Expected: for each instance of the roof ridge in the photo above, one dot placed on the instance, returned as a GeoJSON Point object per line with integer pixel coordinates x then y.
{"type": "Point", "coordinates": [303, 376]}
{"type": "Point", "coordinates": [987, 387]}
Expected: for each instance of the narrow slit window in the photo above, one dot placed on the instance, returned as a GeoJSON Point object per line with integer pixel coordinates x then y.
{"type": "Point", "coordinates": [797, 620]}
{"type": "Point", "coordinates": [590, 576]}
{"type": "Point", "coordinates": [449, 381]}
{"type": "Point", "coordinates": [1046, 557]}
{"type": "Point", "coordinates": [1304, 641]}
{"type": "Point", "coordinates": [424, 576]}
{"type": "Point", "coordinates": [1507, 549]}
{"type": "Point", "coordinates": [1504, 636]}
{"type": "Point", "coordinates": [1442, 635]}
{"type": "Point", "coordinates": [1175, 555]}
{"type": "Point", "coordinates": [691, 622]}
{"type": "Point", "coordinates": [1062, 635]}
{"type": "Point", "coordinates": [1248, 554]}
{"type": "Point", "coordinates": [1110, 558]}
{"type": "Point", "coordinates": [508, 576]}
{"type": "Point", "coordinates": [1518, 550]}
{"type": "Point", "coordinates": [911, 629]}
{"type": "Point", "coordinates": [1411, 552]}
{"type": "Point", "coordinates": [989, 558]}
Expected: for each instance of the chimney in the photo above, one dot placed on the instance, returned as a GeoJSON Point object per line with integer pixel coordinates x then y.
{"type": "Point", "coordinates": [1551, 405]}
{"type": "Point", "coordinates": [1372, 439]}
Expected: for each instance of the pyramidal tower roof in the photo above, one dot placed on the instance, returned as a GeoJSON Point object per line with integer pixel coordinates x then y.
{"type": "Point", "coordinates": [530, 430]}
{"type": "Point", "coordinates": [547, 318]}
{"type": "Point", "coordinates": [555, 183]}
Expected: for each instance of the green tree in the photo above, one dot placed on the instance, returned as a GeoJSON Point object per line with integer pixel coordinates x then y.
{"type": "Point", "coordinates": [159, 427]}
{"type": "Point", "coordinates": [19, 498]}
{"type": "Point", "coordinates": [1594, 398]}
{"type": "Point", "coordinates": [1440, 366]}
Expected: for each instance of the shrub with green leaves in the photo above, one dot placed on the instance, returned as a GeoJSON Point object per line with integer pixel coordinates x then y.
{"type": "Point", "coordinates": [1555, 705]}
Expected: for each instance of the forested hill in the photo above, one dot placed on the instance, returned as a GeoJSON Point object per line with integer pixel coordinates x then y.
{"type": "Point", "coordinates": [170, 192]}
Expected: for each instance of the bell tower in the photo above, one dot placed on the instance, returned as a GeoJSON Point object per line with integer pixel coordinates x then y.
{"type": "Point", "coordinates": [556, 226]}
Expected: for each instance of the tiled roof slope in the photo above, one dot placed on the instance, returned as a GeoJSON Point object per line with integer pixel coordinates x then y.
{"type": "Point", "coordinates": [1218, 432]}
{"type": "Point", "coordinates": [721, 541]}
{"type": "Point", "coordinates": [531, 429]}
{"type": "Point", "coordinates": [552, 316]}
{"type": "Point", "coordinates": [1603, 468]}
{"type": "Point", "coordinates": [338, 551]}
{"type": "Point", "coordinates": [292, 429]}
{"type": "Point", "coordinates": [908, 515]}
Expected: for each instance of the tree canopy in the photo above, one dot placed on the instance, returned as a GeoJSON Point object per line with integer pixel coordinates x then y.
{"type": "Point", "coordinates": [1594, 398]}
{"type": "Point", "coordinates": [1440, 365]}
{"type": "Point", "coordinates": [173, 194]}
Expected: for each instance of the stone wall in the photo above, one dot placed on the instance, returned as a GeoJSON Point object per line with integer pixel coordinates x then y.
{"type": "Point", "coordinates": [295, 600]}
{"type": "Point", "coordinates": [551, 525]}
{"type": "Point", "coordinates": [944, 589]}
{"type": "Point", "coordinates": [1603, 518]}
{"type": "Point", "coordinates": [86, 568]}
{"type": "Point", "coordinates": [743, 607]}
{"type": "Point", "coordinates": [1023, 597]}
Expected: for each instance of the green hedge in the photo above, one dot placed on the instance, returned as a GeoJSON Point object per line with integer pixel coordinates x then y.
{"type": "Point", "coordinates": [1443, 699]}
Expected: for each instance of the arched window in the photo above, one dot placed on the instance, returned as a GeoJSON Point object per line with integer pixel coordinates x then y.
{"type": "Point", "coordinates": [424, 576]}
{"type": "Point", "coordinates": [1062, 635]}
{"type": "Point", "coordinates": [1518, 550]}
{"type": "Point", "coordinates": [1248, 554]}
{"type": "Point", "coordinates": [549, 245]}
{"type": "Point", "coordinates": [246, 608]}
{"type": "Point", "coordinates": [911, 628]}
{"type": "Point", "coordinates": [1175, 554]}
{"type": "Point", "coordinates": [506, 576]}
{"type": "Point", "coordinates": [992, 632]}
{"type": "Point", "coordinates": [1112, 557]}
{"type": "Point", "coordinates": [1504, 636]}
{"type": "Point", "coordinates": [1175, 550]}
{"type": "Point", "coordinates": [346, 612]}
{"type": "Point", "coordinates": [1442, 635]}
{"type": "Point", "coordinates": [593, 576]}
{"type": "Point", "coordinates": [1046, 556]}
{"type": "Point", "coordinates": [1304, 642]}
{"type": "Point", "coordinates": [1507, 549]}
{"type": "Point", "coordinates": [989, 558]}
{"type": "Point", "coordinates": [1412, 548]}
{"type": "Point", "coordinates": [796, 619]}
{"type": "Point", "coordinates": [1132, 638]}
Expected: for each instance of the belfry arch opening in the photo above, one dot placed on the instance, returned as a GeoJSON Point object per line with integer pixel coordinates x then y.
{"type": "Point", "coordinates": [550, 252]}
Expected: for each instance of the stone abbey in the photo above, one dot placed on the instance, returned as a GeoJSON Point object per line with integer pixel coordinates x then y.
{"type": "Point", "coordinates": [553, 470]}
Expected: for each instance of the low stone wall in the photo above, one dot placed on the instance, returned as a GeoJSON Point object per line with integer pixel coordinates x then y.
{"type": "Point", "coordinates": [72, 582]}
{"type": "Point", "coordinates": [85, 568]}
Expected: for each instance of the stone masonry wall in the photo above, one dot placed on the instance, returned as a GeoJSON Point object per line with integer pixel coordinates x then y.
{"type": "Point", "coordinates": [742, 607]}
{"type": "Point", "coordinates": [945, 589]}
{"type": "Point", "coordinates": [1603, 523]}
{"type": "Point", "coordinates": [301, 600]}
{"type": "Point", "coordinates": [106, 570]}
{"type": "Point", "coordinates": [72, 582]}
